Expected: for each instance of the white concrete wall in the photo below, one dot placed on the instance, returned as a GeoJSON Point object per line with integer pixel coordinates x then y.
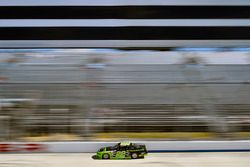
{"type": "Point", "coordinates": [152, 146]}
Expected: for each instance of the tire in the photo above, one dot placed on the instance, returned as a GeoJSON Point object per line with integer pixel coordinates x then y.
{"type": "Point", "coordinates": [134, 155]}
{"type": "Point", "coordinates": [105, 156]}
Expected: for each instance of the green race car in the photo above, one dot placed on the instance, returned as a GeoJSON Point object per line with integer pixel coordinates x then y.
{"type": "Point", "coordinates": [122, 150]}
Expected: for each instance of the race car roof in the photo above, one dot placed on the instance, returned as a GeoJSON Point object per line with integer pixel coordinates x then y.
{"type": "Point", "coordinates": [125, 143]}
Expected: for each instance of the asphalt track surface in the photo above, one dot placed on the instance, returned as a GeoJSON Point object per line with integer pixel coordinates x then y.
{"type": "Point", "coordinates": [240, 159]}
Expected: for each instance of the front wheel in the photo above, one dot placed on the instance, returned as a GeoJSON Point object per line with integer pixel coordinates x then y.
{"type": "Point", "coordinates": [134, 155]}
{"type": "Point", "coordinates": [105, 156]}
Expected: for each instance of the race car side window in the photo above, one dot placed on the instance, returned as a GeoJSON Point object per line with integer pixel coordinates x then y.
{"type": "Point", "coordinates": [122, 148]}
{"type": "Point", "coordinates": [131, 147]}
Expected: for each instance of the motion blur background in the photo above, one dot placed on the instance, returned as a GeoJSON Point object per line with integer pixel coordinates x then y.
{"type": "Point", "coordinates": [112, 94]}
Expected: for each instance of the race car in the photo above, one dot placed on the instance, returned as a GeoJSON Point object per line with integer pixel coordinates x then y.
{"type": "Point", "coordinates": [122, 150]}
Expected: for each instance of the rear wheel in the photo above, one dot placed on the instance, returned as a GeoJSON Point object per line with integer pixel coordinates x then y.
{"type": "Point", "coordinates": [105, 156]}
{"type": "Point", "coordinates": [134, 155]}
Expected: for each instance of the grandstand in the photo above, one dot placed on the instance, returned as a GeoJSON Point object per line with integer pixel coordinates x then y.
{"type": "Point", "coordinates": [70, 93]}
{"type": "Point", "coordinates": [94, 68]}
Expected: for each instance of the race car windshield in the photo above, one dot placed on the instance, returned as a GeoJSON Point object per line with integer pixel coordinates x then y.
{"type": "Point", "coordinates": [111, 148]}
{"type": "Point", "coordinates": [116, 146]}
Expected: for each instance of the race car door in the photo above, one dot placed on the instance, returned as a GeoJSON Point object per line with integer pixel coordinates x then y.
{"type": "Point", "coordinates": [121, 152]}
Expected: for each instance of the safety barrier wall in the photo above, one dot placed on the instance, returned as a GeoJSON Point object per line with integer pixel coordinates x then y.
{"type": "Point", "coordinates": [152, 146]}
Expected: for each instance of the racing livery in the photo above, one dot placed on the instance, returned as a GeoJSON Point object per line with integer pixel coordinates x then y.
{"type": "Point", "coordinates": [122, 150]}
